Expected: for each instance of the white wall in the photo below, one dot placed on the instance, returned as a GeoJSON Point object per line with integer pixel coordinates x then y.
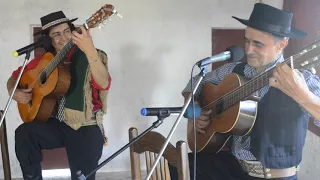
{"type": "Point", "coordinates": [151, 53]}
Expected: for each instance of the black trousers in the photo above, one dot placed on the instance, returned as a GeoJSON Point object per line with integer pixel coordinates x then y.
{"type": "Point", "coordinates": [83, 147]}
{"type": "Point", "coordinates": [222, 166]}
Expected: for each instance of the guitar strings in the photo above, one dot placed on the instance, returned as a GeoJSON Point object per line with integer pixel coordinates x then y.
{"type": "Point", "coordinates": [209, 106]}
{"type": "Point", "coordinates": [85, 25]}
{"type": "Point", "coordinates": [55, 61]}
{"type": "Point", "coordinates": [265, 77]}
{"type": "Point", "coordinates": [309, 48]}
{"type": "Point", "coordinates": [50, 66]}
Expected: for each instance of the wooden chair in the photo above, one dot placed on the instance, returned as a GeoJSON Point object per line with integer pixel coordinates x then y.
{"type": "Point", "coordinates": [54, 159]}
{"type": "Point", "coordinates": [50, 160]}
{"type": "Point", "coordinates": [151, 144]}
{"type": "Point", "coordinates": [4, 149]}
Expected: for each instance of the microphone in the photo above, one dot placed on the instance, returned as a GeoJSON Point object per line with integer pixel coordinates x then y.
{"type": "Point", "coordinates": [234, 53]}
{"type": "Point", "coordinates": [167, 111]}
{"type": "Point", "coordinates": [44, 41]}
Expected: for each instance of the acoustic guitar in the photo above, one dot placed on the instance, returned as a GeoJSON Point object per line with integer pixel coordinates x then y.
{"type": "Point", "coordinates": [51, 78]}
{"type": "Point", "coordinates": [234, 108]}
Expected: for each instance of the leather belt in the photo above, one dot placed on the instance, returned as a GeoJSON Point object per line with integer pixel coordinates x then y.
{"type": "Point", "coordinates": [256, 169]}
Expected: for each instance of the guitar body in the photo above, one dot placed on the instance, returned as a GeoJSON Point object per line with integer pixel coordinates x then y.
{"type": "Point", "coordinates": [236, 120]}
{"type": "Point", "coordinates": [45, 91]}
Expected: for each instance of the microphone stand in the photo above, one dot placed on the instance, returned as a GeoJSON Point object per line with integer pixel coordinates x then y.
{"type": "Point", "coordinates": [15, 86]}
{"type": "Point", "coordinates": [157, 123]}
{"type": "Point", "coordinates": [201, 74]}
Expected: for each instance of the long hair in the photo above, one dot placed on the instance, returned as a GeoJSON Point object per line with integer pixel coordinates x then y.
{"type": "Point", "coordinates": [51, 49]}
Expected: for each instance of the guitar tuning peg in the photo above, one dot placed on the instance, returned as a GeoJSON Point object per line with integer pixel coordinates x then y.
{"type": "Point", "coordinates": [118, 14]}
{"type": "Point", "coordinates": [100, 26]}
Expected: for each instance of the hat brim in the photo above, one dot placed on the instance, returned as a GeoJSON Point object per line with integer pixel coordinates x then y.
{"type": "Point", "coordinates": [294, 33]}
{"type": "Point", "coordinates": [44, 31]}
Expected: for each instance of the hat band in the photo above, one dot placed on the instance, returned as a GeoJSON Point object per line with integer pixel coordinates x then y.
{"type": "Point", "coordinates": [271, 27]}
{"type": "Point", "coordinates": [54, 23]}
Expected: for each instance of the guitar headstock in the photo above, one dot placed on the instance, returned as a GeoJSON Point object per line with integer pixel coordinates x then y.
{"type": "Point", "coordinates": [99, 18]}
{"type": "Point", "coordinates": [308, 58]}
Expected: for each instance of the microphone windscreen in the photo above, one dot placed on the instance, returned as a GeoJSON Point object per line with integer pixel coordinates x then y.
{"type": "Point", "coordinates": [144, 111]}
{"type": "Point", "coordinates": [189, 111]}
{"type": "Point", "coordinates": [237, 53]}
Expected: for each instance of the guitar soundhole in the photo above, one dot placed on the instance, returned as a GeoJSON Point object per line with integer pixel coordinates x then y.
{"type": "Point", "coordinates": [43, 78]}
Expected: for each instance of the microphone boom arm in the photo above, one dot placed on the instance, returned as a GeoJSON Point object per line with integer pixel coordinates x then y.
{"type": "Point", "coordinates": [15, 86]}
{"type": "Point", "coordinates": [153, 126]}
{"type": "Point", "coordinates": [202, 74]}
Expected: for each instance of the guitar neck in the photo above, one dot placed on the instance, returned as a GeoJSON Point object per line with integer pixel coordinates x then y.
{"type": "Point", "coordinates": [60, 55]}
{"type": "Point", "coordinates": [247, 89]}
{"type": "Point", "coordinates": [101, 15]}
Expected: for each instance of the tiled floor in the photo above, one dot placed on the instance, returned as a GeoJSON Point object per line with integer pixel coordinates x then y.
{"type": "Point", "coordinates": [114, 176]}
{"type": "Point", "coordinates": [103, 176]}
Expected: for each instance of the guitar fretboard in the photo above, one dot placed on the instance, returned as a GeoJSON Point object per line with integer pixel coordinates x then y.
{"type": "Point", "coordinates": [59, 57]}
{"type": "Point", "coordinates": [247, 89]}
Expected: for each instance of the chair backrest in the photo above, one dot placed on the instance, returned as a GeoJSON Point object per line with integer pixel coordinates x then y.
{"type": "Point", "coordinates": [4, 149]}
{"type": "Point", "coordinates": [151, 144]}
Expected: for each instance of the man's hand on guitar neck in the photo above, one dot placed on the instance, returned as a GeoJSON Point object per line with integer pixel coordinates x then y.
{"type": "Point", "coordinates": [22, 96]}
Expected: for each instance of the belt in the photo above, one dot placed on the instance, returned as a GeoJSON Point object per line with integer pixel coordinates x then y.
{"type": "Point", "coordinates": [256, 169]}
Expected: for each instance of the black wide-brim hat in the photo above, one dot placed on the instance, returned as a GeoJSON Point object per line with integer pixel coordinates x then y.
{"type": "Point", "coordinates": [270, 19]}
{"type": "Point", "coordinates": [51, 20]}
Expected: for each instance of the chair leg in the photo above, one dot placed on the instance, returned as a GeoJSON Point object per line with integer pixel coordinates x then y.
{"type": "Point", "coordinates": [4, 150]}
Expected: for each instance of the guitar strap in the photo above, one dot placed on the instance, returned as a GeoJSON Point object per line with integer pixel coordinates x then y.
{"type": "Point", "coordinates": [239, 68]}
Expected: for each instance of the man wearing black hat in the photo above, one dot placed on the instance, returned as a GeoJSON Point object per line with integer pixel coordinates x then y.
{"type": "Point", "coordinates": [273, 149]}
{"type": "Point", "coordinates": [76, 124]}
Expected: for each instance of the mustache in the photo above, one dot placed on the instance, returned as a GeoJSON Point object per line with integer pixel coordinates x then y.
{"type": "Point", "coordinates": [252, 55]}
